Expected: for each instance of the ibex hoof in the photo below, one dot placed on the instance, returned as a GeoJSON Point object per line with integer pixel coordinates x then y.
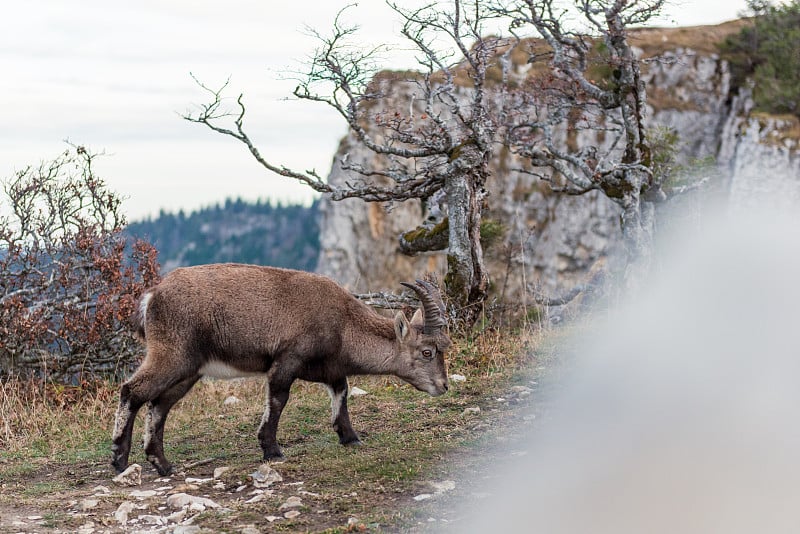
{"type": "Point", "coordinates": [119, 466]}
{"type": "Point", "coordinates": [163, 470]}
{"type": "Point", "coordinates": [355, 442]}
{"type": "Point", "coordinates": [274, 457]}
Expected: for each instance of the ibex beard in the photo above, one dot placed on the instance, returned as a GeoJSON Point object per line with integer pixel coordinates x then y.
{"type": "Point", "coordinates": [233, 320]}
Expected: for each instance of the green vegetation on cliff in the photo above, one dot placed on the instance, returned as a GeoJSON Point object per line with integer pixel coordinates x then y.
{"type": "Point", "coordinates": [766, 52]}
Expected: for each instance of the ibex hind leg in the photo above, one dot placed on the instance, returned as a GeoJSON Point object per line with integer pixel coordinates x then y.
{"type": "Point", "coordinates": [277, 396]}
{"type": "Point", "coordinates": [158, 409]}
{"type": "Point", "coordinates": [340, 417]}
{"type": "Point", "coordinates": [123, 428]}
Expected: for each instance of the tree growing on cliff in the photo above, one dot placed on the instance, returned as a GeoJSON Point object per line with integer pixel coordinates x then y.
{"type": "Point", "coordinates": [592, 83]}
{"type": "Point", "coordinates": [435, 147]}
{"type": "Point", "coordinates": [69, 279]}
{"type": "Point", "coordinates": [766, 52]}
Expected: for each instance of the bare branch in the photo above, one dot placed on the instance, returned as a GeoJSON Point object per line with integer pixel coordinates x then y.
{"type": "Point", "coordinates": [386, 301]}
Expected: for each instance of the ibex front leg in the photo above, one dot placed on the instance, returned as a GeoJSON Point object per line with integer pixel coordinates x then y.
{"type": "Point", "coordinates": [144, 386]}
{"type": "Point", "coordinates": [340, 418]}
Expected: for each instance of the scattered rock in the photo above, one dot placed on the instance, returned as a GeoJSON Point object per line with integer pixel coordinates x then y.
{"type": "Point", "coordinates": [132, 476]}
{"type": "Point", "coordinates": [473, 410]}
{"type": "Point", "coordinates": [180, 500]}
{"type": "Point", "coordinates": [88, 504]}
{"type": "Point", "coordinates": [142, 494]}
{"type": "Point", "coordinates": [501, 399]}
{"type": "Point", "coordinates": [291, 502]}
{"type": "Point", "coordinates": [186, 529]}
{"type": "Point", "coordinates": [219, 471]}
{"type": "Point", "coordinates": [198, 481]}
{"type": "Point", "coordinates": [458, 378]}
{"type": "Point", "coordinates": [291, 514]}
{"type": "Point", "coordinates": [422, 497]}
{"type": "Point", "coordinates": [521, 391]}
{"type": "Point", "coordinates": [250, 529]}
{"type": "Point", "coordinates": [177, 517]}
{"type": "Point", "coordinates": [34, 517]}
{"type": "Point", "coordinates": [258, 498]}
{"type": "Point", "coordinates": [443, 486]}
{"type": "Point", "coordinates": [121, 514]}
{"type": "Point", "coordinates": [101, 490]}
{"type": "Point", "coordinates": [152, 519]}
{"type": "Point", "coordinates": [231, 400]}
{"type": "Point", "coordinates": [183, 488]}
{"type": "Point", "coordinates": [272, 518]}
{"type": "Point", "coordinates": [86, 528]}
{"type": "Point", "coordinates": [265, 476]}
{"type": "Point", "coordinates": [357, 392]}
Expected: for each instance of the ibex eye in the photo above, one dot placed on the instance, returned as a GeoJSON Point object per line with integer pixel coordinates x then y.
{"type": "Point", "coordinates": [427, 353]}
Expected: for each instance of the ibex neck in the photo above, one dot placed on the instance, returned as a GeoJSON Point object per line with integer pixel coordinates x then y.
{"type": "Point", "coordinates": [373, 346]}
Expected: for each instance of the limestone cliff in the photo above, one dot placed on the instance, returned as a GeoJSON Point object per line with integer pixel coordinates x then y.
{"type": "Point", "coordinates": [551, 240]}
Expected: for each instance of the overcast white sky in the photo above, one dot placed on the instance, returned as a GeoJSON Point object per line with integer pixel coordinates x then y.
{"type": "Point", "coordinates": [115, 77]}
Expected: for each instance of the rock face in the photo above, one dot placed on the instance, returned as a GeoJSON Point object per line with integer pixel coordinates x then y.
{"type": "Point", "coordinates": [549, 240]}
{"type": "Point", "coordinates": [765, 161]}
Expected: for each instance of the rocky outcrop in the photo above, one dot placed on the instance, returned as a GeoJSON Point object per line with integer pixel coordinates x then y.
{"type": "Point", "coordinates": [550, 241]}
{"type": "Point", "coordinates": [765, 161]}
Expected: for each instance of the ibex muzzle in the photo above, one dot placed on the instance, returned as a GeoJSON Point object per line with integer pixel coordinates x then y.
{"type": "Point", "coordinates": [231, 320]}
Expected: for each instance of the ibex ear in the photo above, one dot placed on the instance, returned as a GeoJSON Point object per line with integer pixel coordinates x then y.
{"type": "Point", "coordinates": [418, 319]}
{"type": "Point", "coordinates": [401, 326]}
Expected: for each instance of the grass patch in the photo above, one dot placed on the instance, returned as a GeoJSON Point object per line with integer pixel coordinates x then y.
{"type": "Point", "coordinates": [53, 452]}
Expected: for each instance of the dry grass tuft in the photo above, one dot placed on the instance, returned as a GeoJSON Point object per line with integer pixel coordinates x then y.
{"type": "Point", "coordinates": [50, 418]}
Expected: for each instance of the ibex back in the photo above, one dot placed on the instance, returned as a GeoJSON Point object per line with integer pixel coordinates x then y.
{"type": "Point", "coordinates": [231, 320]}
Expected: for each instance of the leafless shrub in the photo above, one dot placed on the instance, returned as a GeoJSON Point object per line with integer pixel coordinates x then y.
{"type": "Point", "coordinates": [69, 278]}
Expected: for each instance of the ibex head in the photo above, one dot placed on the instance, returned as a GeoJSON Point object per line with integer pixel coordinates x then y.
{"type": "Point", "coordinates": [424, 341]}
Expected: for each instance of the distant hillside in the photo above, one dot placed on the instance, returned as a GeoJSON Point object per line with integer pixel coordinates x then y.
{"type": "Point", "coordinates": [236, 231]}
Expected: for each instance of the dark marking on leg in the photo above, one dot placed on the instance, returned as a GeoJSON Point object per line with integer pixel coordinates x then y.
{"type": "Point", "coordinates": [158, 409]}
{"type": "Point", "coordinates": [340, 417]}
{"type": "Point", "coordinates": [277, 396]}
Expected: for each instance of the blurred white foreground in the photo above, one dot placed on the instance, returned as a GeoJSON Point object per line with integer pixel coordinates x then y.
{"type": "Point", "coordinates": [683, 412]}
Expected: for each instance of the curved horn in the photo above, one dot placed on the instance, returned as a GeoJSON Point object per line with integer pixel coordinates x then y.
{"type": "Point", "coordinates": [432, 305]}
{"type": "Point", "coordinates": [433, 291]}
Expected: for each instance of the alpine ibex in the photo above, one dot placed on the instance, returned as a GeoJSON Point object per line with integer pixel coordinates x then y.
{"type": "Point", "coordinates": [232, 320]}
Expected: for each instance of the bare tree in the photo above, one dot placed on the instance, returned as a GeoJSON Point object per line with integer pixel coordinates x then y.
{"type": "Point", "coordinates": [435, 147]}
{"type": "Point", "coordinates": [69, 278]}
{"type": "Point", "coordinates": [592, 82]}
